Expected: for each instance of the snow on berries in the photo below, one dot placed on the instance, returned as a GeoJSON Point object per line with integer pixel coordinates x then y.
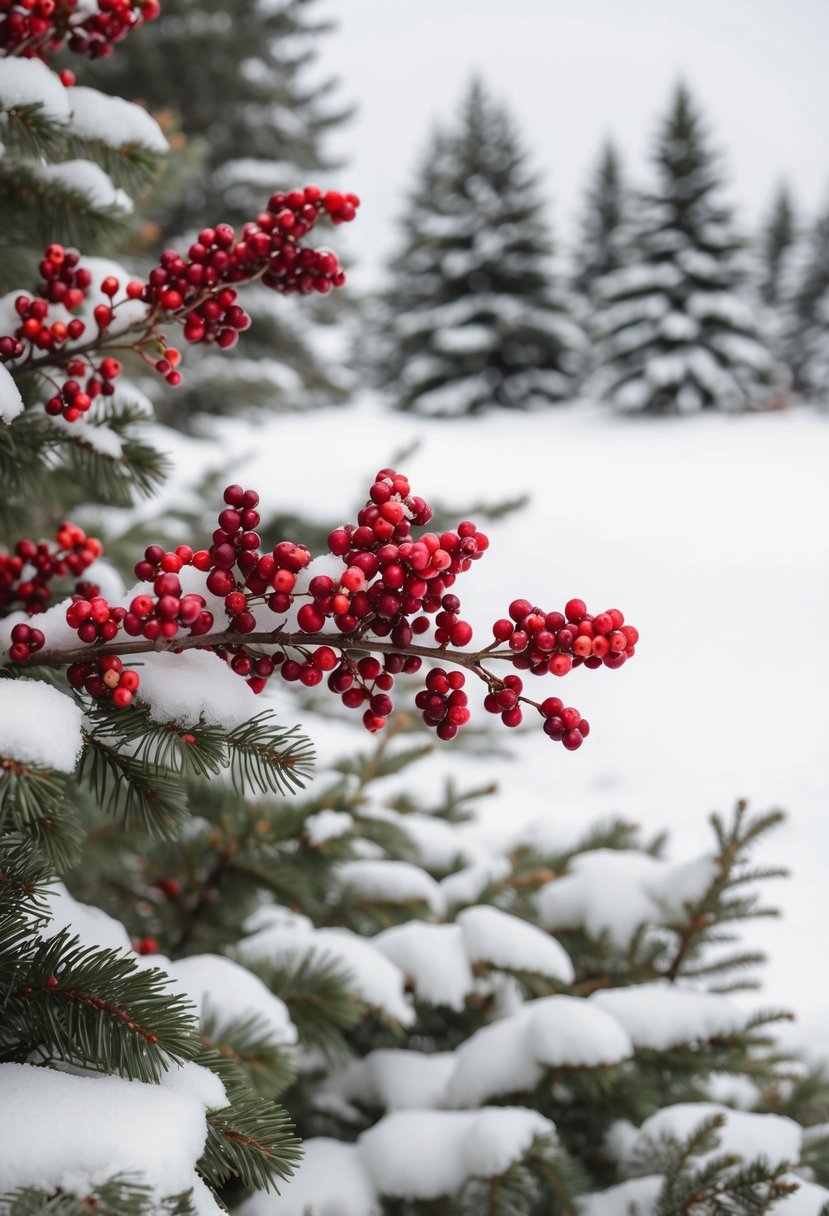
{"type": "Point", "coordinates": [197, 293]}
{"type": "Point", "coordinates": [380, 603]}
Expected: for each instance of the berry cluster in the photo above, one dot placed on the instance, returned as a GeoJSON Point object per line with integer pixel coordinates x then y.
{"type": "Point", "coordinates": [35, 28]}
{"type": "Point", "coordinates": [26, 641]}
{"type": "Point", "coordinates": [353, 621]}
{"type": "Point", "coordinates": [556, 642]}
{"type": "Point", "coordinates": [105, 679]}
{"type": "Point", "coordinates": [26, 575]}
{"type": "Point", "coordinates": [198, 292]}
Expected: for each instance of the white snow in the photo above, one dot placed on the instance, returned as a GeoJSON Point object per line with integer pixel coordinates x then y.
{"type": "Point", "coordinates": [395, 1079]}
{"type": "Point", "coordinates": [392, 882]}
{"type": "Point", "coordinates": [496, 937]}
{"type": "Point", "coordinates": [434, 959]}
{"type": "Point", "coordinates": [229, 992]}
{"type": "Point", "coordinates": [25, 82]}
{"type": "Point", "coordinates": [39, 725]}
{"type": "Point", "coordinates": [92, 926]}
{"type": "Point", "coordinates": [426, 1154]}
{"type": "Point", "coordinates": [194, 686]}
{"type": "Point", "coordinates": [97, 436]}
{"type": "Point", "coordinates": [98, 1126]}
{"type": "Point", "coordinates": [613, 892]}
{"type": "Point", "coordinates": [747, 1135]}
{"type": "Point", "coordinates": [635, 1197]}
{"type": "Point", "coordinates": [90, 180]}
{"type": "Point", "coordinates": [327, 825]}
{"type": "Point", "coordinates": [113, 121]}
{"type": "Point", "coordinates": [659, 1016]}
{"type": "Point", "coordinates": [467, 885]}
{"type": "Point", "coordinates": [808, 1200]}
{"type": "Point", "coordinates": [510, 1055]}
{"type": "Point", "coordinates": [11, 403]}
{"type": "Point", "coordinates": [376, 980]}
{"type": "Point", "coordinates": [332, 1180]}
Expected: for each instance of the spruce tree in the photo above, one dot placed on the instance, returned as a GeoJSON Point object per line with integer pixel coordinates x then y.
{"type": "Point", "coordinates": [806, 321]}
{"type": "Point", "coordinates": [243, 85]}
{"type": "Point", "coordinates": [676, 326]}
{"type": "Point", "coordinates": [604, 224]}
{"type": "Point", "coordinates": [777, 242]}
{"type": "Point", "coordinates": [471, 317]}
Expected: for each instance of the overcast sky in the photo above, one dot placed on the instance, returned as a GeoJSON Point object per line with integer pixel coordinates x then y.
{"type": "Point", "coordinates": [574, 71]}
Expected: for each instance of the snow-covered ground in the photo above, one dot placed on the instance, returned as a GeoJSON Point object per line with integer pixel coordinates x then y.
{"type": "Point", "coordinates": [710, 533]}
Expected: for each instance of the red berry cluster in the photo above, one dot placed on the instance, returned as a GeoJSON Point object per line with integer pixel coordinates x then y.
{"type": "Point", "coordinates": [26, 575]}
{"type": "Point", "coordinates": [105, 679]}
{"type": "Point", "coordinates": [26, 641]}
{"type": "Point", "coordinates": [443, 703]}
{"type": "Point", "coordinates": [199, 288]}
{"type": "Point", "coordinates": [168, 610]}
{"type": "Point", "coordinates": [35, 28]}
{"type": "Point", "coordinates": [556, 642]}
{"type": "Point", "coordinates": [385, 583]}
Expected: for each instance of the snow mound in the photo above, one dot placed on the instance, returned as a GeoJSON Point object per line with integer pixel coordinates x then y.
{"type": "Point", "coordinates": [92, 926]}
{"type": "Point", "coordinates": [615, 891]}
{"type": "Point", "coordinates": [510, 1055]}
{"type": "Point", "coordinates": [395, 1079]}
{"type": "Point", "coordinates": [39, 725]}
{"type": "Point", "coordinates": [27, 82]}
{"type": "Point", "coordinates": [11, 403]}
{"type": "Point", "coordinates": [90, 180]}
{"type": "Point", "coordinates": [327, 825]}
{"type": "Point", "coordinates": [433, 957]}
{"type": "Point", "coordinates": [493, 936]}
{"type": "Point", "coordinates": [195, 686]}
{"type": "Point", "coordinates": [113, 121]}
{"type": "Point", "coordinates": [775, 1137]}
{"type": "Point", "coordinates": [393, 882]}
{"type": "Point", "coordinates": [661, 1015]}
{"type": "Point", "coordinates": [466, 885]}
{"type": "Point", "coordinates": [98, 1126]}
{"type": "Point", "coordinates": [376, 980]}
{"type": "Point", "coordinates": [331, 1180]}
{"type": "Point", "coordinates": [636, 1197]}
{"type": "Point", "coordinates": [426, 1154]}
{"type": "Point", "coordinates": [231, 993]}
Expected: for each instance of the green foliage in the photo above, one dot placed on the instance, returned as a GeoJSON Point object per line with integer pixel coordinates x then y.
{"type": "Point", "coordinates": [118, 1196]}
{"type": "Point", "coordinates": [250, 1140]}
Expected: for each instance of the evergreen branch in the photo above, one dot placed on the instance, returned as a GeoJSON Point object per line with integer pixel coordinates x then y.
{"type": "Point", "coordinates": [33, 802]}
{"type": "Point", "coordinates": [131, 165]}
{"type": "Point", "coordinates": [320, 1000]}
{"type": "Point", "coordinates": [30, 130]}
{"type": "Point", "coordinates": [123, 784]}
{"type": "Point", "coordinates": [56, 211]}
{"type": "Point", "coordinates": [121, 1195]}
{"type": "Point", "coordinates": [267, 758]}
{"type": "Point", "coordinates": [98, 1009]}
{"type": "Point", "coordinates": [252, 1140]}
{"type": "Point", "coordinates": [246, 1045]}
{"type": "Point", "coordinates": [24, 878]}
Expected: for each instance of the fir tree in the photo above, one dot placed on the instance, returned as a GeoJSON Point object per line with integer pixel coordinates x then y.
{"type": "Point", "coordinates": [777, 241]}
{"type": "Point", "coordinates": [244, 86]}
{"type": "Point", "coordinates": [806, 324]}
{"type": "Point", "coordinates": [604, 221]}
{"type": "Point", "coordinates": [676, 326]}
{"type": "Point", "coordinates": [471, 318]}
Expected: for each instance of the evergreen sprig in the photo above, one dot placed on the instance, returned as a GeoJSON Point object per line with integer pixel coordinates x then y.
{"type": "Point", "coordinates": [252, 1140]}
{"type": "Point", "coordinates": [90, 1007]}
{"type": "Point", "coordinates": [121, 1195]}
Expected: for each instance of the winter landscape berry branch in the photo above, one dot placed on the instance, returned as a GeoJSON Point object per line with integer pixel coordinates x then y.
{"type": "Point", "coordinates": [306, 618]}
{"type": "Point", "coordinates": [198, 292]}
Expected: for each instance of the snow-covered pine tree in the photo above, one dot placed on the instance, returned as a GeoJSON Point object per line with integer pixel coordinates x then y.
{"type": "Point", "coordinates": [776, 245]}
{"type": "Point", "coordinates": [545, 1025]}
{"type": "Point", "coordinates": [472, 316]}
{"type": "Point", "coordinates": [806, 319]}
{"type": "Point", "coordinates": [245, 87]}
{"type": "Point", "coordinates": [604, 233]}
{"type": "Point", "coordinates": [677, 326]}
